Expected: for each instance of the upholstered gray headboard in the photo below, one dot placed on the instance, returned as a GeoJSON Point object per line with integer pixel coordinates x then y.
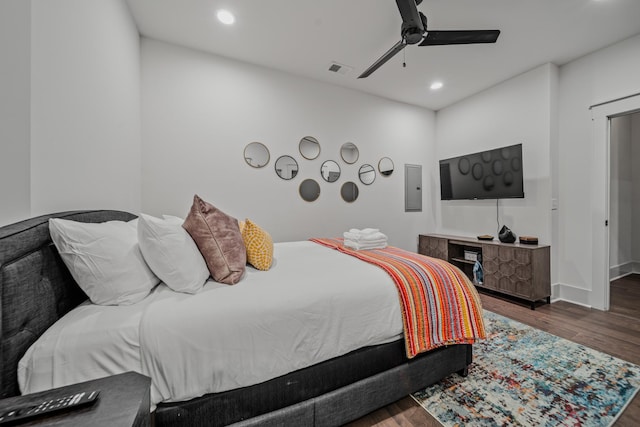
{"type": "Point", "coordinates": [36, 288]}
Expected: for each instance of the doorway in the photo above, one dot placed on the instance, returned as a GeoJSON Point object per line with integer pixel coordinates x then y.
{"type": "Point", "coordinates": [602, 116]}
{"type": "Point", "coordinates": [624, 208]}
{"type": "Point", "coordinates": [624, 195]}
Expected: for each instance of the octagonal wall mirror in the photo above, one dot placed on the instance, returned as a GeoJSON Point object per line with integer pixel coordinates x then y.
{"type": "Point", "coordinates": [349, 192]}
{"type": "Point", "coordinates": [256, 154]}
{"type": "Point", "coordinates": [309, 190]}
{"type": "Point", "coordinates": [330, 171]}
{"type": "Point", "coordinates": [349, 153]}
{"type": "Point", "coordinates": [286, 167]}
{"type": "Point", "coordinates": [309, 147]}
{"type": "Point", "coordinates": [385, 166]}
{"type": "Point", "coordinates": [367, 174]}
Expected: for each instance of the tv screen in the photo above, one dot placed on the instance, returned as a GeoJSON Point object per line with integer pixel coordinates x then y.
{"type": "Point", "coordinates": [491, 174]}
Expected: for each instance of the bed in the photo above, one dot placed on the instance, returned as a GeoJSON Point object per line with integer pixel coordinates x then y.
{"type": "Point", "coordinates": [37, 290]}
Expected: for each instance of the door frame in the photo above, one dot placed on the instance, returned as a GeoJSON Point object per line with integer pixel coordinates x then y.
{"type": "Point", "coordinates": [600, 203]}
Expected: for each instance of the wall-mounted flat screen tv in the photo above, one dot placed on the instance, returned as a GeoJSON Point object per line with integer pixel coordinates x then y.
{"type": "Point", "coordinates": [491, 174]}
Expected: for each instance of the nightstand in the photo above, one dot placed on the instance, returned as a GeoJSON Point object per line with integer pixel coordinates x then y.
{"type": "Point", "coordinates": [123, 401]}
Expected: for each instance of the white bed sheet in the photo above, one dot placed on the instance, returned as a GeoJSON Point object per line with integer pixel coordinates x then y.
{"type": "Point", "coordinates": [89, 342]}
{"type": "Point", "coordinates": [314, 304]}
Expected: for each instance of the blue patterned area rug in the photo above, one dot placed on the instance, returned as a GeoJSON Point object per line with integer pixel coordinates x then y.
{"type": "Point", "coordinates": [522, 376]}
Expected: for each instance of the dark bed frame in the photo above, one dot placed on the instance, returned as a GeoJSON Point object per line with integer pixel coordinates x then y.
{"type": "Point", "coordinates": [36, 289]}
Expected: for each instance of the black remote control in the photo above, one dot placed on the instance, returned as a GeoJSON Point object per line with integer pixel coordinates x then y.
{"type": "Point", "coordinates": [20, 413]}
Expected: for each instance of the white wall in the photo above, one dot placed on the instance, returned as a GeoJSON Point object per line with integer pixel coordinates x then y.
{"type": "Point", "coordinates": [85, 106]}
{"type": "Point", "coordinates": [550, 108]}
{"type": "Point", "coordinates": [15, 36]}
{"type": "Point", "coordinates": [199, 111]}
{"type": "Point", "coordinates": [620, 196]}
{"type": "Point", "coordinates": [515, 111]}
{"type": "Point", "coordinates": [601, 76]}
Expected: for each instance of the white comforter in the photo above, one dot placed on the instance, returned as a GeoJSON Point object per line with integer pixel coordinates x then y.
{"type": "Point", "coordinates": [312, 305]}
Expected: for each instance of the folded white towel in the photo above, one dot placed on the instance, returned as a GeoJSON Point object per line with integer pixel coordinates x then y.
{"type": "Point", "coordinates": [364, 231]}
{"type": "Point", "coordinates": [367, 242]}
{"type": "Point", "coordinates": [380, 244]}
{"type": "Point", "coordinates": [367, 238]}
{"type": "Point", "coordinates": [377, 235]}
{"type": "Point", "coordinates": [369, 230]}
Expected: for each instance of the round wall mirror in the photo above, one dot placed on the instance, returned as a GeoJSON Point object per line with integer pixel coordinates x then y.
{"type": "Point", "coordinates": [349, 152]}
{"type": "Point", "coordinates": [367, 174]}
{"type": "Point", "coordinates": [349, 191]}
{"type": "Point", "coordinates": [330, 171]}
{"type": "Point", "coordinates": [286, 167]}
{"type": "Point", "coordinates": [309, 190]}
{"type": "Point", "coordinates": [256, 154]}
{"type": "Point", "coordinates": [385, 166]}
{"type": "Point", "coordinates": [309, 147]}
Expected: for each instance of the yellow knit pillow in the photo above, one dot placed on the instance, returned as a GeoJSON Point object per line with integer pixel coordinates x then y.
{"type": "Point", "coordinates": [259, 246]}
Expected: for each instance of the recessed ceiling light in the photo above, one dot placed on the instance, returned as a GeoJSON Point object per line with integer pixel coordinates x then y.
{"type": "Point", "coordinates": [436, 85]}
{"type": "Point", "coordinates": [226, 17]}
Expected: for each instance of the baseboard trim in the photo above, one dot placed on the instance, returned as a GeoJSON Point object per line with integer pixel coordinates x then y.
{"type": "Point", "coordinates": [624, 269]}
{"type": "Point", "coordinates": [554, 300]}
{"type": "Point", "coordinates": [572, 294]}
{"type": "Point", "coordinates": [620, 276]}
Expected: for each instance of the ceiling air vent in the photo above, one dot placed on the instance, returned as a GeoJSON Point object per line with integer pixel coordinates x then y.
{"type": "Point", "coordinates": [338, 68]}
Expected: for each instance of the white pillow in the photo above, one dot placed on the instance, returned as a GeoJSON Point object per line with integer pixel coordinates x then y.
{"type": "Point", "coordinates": [104, 259]}
{"type": "Point", "coordinates": [171, 253]}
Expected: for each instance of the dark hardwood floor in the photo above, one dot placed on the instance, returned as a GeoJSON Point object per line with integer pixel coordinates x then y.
{"type": "Point", "coordinates": [616, 332]}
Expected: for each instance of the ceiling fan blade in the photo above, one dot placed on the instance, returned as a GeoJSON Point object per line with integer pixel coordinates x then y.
{"type": "Point", "coordinates": [438, 38]}
{"type": "Point", "coordinates": [410, 16]}
{"type": "Point", "coordinates": [384, 58]}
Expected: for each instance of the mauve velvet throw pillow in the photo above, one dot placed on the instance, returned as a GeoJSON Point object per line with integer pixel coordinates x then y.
{"type": "Point", "coordinates": [218, 238]}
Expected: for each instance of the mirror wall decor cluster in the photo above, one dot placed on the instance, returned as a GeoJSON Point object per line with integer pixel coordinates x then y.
{"type": "Point", "coordinates": [257, 155]}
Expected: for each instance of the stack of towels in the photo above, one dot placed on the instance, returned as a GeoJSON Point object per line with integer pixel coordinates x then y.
{"type": "Point", "coordinates": [367, 238]}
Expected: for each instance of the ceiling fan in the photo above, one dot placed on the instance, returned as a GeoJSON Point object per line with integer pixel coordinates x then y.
{"type": "Point", "coordinates": [414, 30]}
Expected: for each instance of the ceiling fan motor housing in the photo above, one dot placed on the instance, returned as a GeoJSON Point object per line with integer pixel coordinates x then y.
{"type": "Point", "coordinates": [412, 35]}
{"type": "Point", "coordinates": [414, 32]}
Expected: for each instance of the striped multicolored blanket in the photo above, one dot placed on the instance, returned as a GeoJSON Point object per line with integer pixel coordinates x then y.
{"type": "Point", "coordinates": [439, 304]}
